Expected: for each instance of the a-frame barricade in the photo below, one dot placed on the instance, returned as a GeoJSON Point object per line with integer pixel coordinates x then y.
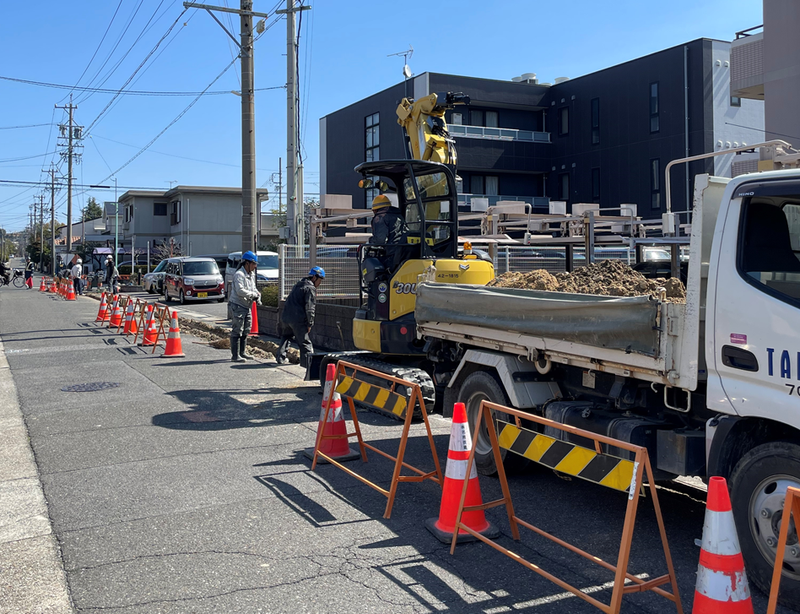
{"type": "Point", "coordinates": [123, 306]}
{"type": "Point", "coordinates": [592, 464]}
{"type": "Point", "coordinates": [350, 387]}
{"type": "Point", "coordinates": [791, 507]}
{"type": "Point", "coordinates": [162, 321]}
{"type": "Point", "coordinates": [138, 308]}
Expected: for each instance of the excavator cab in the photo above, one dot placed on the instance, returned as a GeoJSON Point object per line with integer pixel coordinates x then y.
{"type": "Point", "coordinates": [427, 199]}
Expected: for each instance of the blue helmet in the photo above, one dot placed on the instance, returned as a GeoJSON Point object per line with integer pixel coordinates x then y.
{"type": "Point", "coordinates": [317, 271]}
{"type": "Point", "coordinates": [249, 256]}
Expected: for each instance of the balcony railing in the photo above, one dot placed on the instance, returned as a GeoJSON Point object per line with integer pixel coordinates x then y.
{"type": "Point", "coordinates": [498, 134]}
{"type": "Point", "coordinates": [465, 200]}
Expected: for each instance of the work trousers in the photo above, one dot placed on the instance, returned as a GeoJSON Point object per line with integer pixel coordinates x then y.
{"type": "Point", "coordinates": [298, 332]}
{"type": "Point", "coordinates": [76, 283]}
{"type": "Point", "coordinates": [241, 319]}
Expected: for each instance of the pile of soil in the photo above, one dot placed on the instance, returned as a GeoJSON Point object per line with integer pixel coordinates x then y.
{"type": "Point", "coordinates": [255, 346]}
{"type": "Point", "coordinates": [607, 278]}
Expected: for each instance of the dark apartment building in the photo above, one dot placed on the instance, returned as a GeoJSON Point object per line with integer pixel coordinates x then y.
{"type": "Point", "coordinates": [601, 138]}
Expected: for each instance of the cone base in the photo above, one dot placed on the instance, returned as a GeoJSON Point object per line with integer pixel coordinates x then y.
{"type": "Point", "coordinates": [181, 355]}
{"type": "Point", "coordinates": [446, 537]}
{"type": "Point", "coordinates": [352, 455]}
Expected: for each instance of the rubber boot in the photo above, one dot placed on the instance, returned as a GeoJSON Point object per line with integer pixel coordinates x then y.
{"type": "Point", "coordinates": [235, 349]}
{"type": "Point", "coordinates": [243, 348]}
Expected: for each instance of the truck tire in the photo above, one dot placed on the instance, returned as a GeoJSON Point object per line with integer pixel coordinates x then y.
{"type": "Point", "coordinates": [480, 386]}
{"type": "Point", "coordinates": [758, 488]}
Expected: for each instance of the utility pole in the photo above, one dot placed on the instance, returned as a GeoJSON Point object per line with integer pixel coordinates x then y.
{"type": "Point", "coordinates": [52, 174]}
{"type": "Point", "coordinates": [294, 206]}
{"type": "Point", "coordinates": [73, 132]}
{"type": "Point", "coordinates": [246, 14]}
{"type": "Point", "coordinates": [41, 233]}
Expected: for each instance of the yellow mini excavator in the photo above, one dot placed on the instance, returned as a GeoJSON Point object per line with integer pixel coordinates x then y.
{"type": "Point", "coordinates": [424, 187]}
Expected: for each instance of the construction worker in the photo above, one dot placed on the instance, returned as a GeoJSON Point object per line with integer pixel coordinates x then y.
{"type": "Point", "coordinates": [297, 317]}
{"type": "Point", "coordinates": [28, 272]}
{"type": "Point", "coordinates": [112, 274]}
{"type": "Point", "coordinates": [76, 273]}
{"type": "Point", "coordinates": [240, 304]}
{"type": "Point", "coordinates": [388, 225]}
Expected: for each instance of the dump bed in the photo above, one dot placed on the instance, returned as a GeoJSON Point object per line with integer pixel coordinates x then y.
{"type": "Point", "coordinates": [638, 337]}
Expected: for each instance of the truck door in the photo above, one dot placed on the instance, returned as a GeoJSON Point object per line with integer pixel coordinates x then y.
{"type": "Point", "coordinates": [756, 336]}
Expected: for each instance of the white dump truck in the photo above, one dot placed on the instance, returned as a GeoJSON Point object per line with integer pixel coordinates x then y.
{"type": "Point", "coordinates": [710, 386]}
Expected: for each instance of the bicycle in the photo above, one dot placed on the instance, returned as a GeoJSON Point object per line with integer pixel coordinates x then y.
{"type": "Point", "coordinates": [18, 279]}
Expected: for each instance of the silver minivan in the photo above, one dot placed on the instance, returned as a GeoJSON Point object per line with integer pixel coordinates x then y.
{"type": "Point", "coordinates": [267, 270]}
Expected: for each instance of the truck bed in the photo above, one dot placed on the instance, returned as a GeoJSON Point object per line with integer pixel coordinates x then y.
{"type": "Point", "coordinates": [632, 336]}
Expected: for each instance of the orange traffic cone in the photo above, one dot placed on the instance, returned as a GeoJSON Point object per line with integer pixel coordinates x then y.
{"type": "Point", "coordinates": [254, 321]}
{"type": "Point", "coordinates": [174, 348]}
{"type": "Point", "coordinates": [42, 286]}
{"type": "Point", "coordinates": [150, 331]}
{"type": "Point", "coordinates": [70, 292]}
{"type": "Point", "coordinates": [337, 449]}
{"type": "Point", "coordinates": [454, 476]}
{"type": "Point", "coordinates": [116, 314]}
{"type": "Point", "coordinates": [51, 286]}
{"type": "Point", "coordinates": [102, 313]}
{"type": "Point", "coordinates": [134, 327]}
{"type": "Point", "coordinates": [128, 318]}
{"type": "Point", "coordinates": [721, 580]}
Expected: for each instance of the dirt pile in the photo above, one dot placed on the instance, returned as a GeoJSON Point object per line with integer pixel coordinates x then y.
{"type": "Point", "coordinates": [256, 347]}
{"type": "Point", "coordinates": [607, 278]}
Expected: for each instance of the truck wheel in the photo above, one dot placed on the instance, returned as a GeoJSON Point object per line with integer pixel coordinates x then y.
{"type": "Point", "coordinates": [481, 386]}
{"type": "Point", "coordinates": [758, 488]}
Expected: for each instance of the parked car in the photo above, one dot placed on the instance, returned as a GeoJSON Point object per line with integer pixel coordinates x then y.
{"type": "Point", "coordinates": [153, 281]}
{"type": "Point", "coordinates": [192, 278]}
{"type": "Point", "coordinates": [267, 270]}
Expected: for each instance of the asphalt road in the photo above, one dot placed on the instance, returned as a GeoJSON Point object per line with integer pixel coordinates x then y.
{"type": "Point", "coordinates": [185, 489]}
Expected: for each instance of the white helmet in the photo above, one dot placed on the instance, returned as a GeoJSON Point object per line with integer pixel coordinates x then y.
{"type": "Point", "coordinates": [80, 261]}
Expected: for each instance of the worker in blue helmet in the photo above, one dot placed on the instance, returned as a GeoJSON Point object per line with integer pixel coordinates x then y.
{"type": "Point", "coordinates": [297, 317]}
{"type": "Point", "coordinates": [244, 293]}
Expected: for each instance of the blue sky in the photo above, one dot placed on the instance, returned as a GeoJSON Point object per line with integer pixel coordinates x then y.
{"type": "Point", "coordinates": [344, 46]}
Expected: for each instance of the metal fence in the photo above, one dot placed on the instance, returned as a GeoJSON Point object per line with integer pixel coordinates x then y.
{"type": "Point", "coordinates": [339, 262]}
{"type": "Point", "coordinates": [341, 266]}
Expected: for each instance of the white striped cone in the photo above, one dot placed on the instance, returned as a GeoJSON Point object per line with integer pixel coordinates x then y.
{"type": "Point", "coordinates": [721, 579]}
{"type": "Point", "coordinates": [116, 313]}
{"type": "Point", "coordinates": [102, 313]}
{"type": "Point", "coordinates": [454, 476]}
{"type": "Point", "coordinates": [150, 332]}
{"type": "Point", "coordinates": [174, 349]}
{"type": "Point", "coordinates": [337, 449]}
{"type": "Point", "coordinates": [128, 319]}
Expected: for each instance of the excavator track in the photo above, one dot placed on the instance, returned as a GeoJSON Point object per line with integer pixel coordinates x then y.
{"type": "Point", "coordinates": [410, 374]}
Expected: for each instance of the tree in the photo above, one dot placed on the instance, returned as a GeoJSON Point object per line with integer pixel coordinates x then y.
{"type": "Point", "coordinates": [92, 210]}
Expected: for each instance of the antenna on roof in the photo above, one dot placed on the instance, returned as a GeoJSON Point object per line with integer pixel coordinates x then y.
{"type": "Point", "coordinates": [407, 74]}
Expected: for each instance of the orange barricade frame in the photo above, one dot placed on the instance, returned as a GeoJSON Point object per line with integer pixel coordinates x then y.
{"type": "Point", "coordinates": [791, 506]}
{"type": "Point", "coordinates": [416, 397]}
{"type": "Point", "coordinates": [641, 465]}
{"type": "Point", "coordinates": [162, 316]}
{"type": "Point", "coordinates": [123, 306]}
{"type": "Point", "coordinates": [138, 308]}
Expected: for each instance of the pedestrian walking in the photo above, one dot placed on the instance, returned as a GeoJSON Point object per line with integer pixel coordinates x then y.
{"type": "Point", "coordinates": [76, 273]}
{"type": "Point", "coordinates": [297, 317]}
{"type": "Point", "coordinates": [28, 272]}
{"type": "Point", "coordinates": [112, 275]}
{"type": "Point", "coordinates": [240, 304]}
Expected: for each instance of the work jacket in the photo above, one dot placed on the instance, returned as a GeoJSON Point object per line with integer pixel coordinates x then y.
{"type": "Point", "coordinates": [301, 304]}
{"type": "Point", "coordinates": [388, 227]}
{"type": "Point", "coordinates": [244, 290]}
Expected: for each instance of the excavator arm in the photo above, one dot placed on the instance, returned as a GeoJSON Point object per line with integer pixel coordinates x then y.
{"type": "Point", "coordinates": [425, 128]}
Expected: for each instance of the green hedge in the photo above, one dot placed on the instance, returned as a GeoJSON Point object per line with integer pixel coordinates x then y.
{"type": "Point", "coordinates": [269, 296]}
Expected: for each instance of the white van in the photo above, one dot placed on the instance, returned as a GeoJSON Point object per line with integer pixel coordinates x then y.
{"type": "Point", "coordinates": [267, 270]}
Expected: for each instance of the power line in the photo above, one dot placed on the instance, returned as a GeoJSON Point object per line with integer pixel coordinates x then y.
{"type": "Point", "coordinates": [27, 126]}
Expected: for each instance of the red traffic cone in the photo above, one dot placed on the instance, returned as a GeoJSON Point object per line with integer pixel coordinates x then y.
{"type": "Point", "coordinates": [721, 580]}
{"type": "Point", "coordinates": [116, 314]}
{"type": "Point", "coordinates": [150, 331]}
{"type": "Point", "coordinates": [42, 286]}
{"type": "Point", "coordinates": [454, 476]}
{"type": "Point", "coordinates": [174, 348]}
{"type": "Point", "coordinates": [70, 292]}
{"type": "Point", "coordinates": [338, 449]}
{"type": "Point", "coordinates": [128, 319]}
{"type": "Point", "coordinates": [51, 286]}
{"type": "Point", "coordinates": [29, 283]}
{"type": "Point", "coordinates": [102, 313]}
{"type": "Point", "coordinates": [254, 321]}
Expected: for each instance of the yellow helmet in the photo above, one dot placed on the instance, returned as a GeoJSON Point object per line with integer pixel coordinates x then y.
{"type": "Point", "coordinates": [380, 201]}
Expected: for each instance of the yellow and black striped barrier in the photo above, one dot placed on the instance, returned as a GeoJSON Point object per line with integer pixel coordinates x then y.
{"type": "Point", "coordinates": [568, 458]}
{"type": "Point", "coordinates": [372, 395]}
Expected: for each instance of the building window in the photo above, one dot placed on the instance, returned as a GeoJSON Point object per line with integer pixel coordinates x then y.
{"type": "Point", "coordinates": [654, 123]}
{"type": "Point", "coordinates": [175, 215]}
{"type": "Point", "coordinates": [595, 185]}
{"type": "Point", "coordinates": [655, 184]}
{"type": "Point", "coordinates": [476, 118]}
{"type": "Point", "coordinates": [371, 194]}
{"type": "Point", "coordinates": [563, 121]}
{"type": "Point", "coordinates": [491, 119]}
{"type": "Point", "coordinates": [492, 186]}
{"type": "Point", "coordinates": [595, 121]}
{"type": "Point", "coordinates": [564, 185]}
{"type": "Point", "coordinates": [128, 213]}
{"type": "Point", "coordinates": [159, 208]}
{"type": "Point", "coordinates": [373, 137]}
{"type": "Point", "coordinates": [476, 184]}
{"type": "Point", "coordinates": [457, 119]}
{"type": "Point", "coordinates": [736, 101]}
